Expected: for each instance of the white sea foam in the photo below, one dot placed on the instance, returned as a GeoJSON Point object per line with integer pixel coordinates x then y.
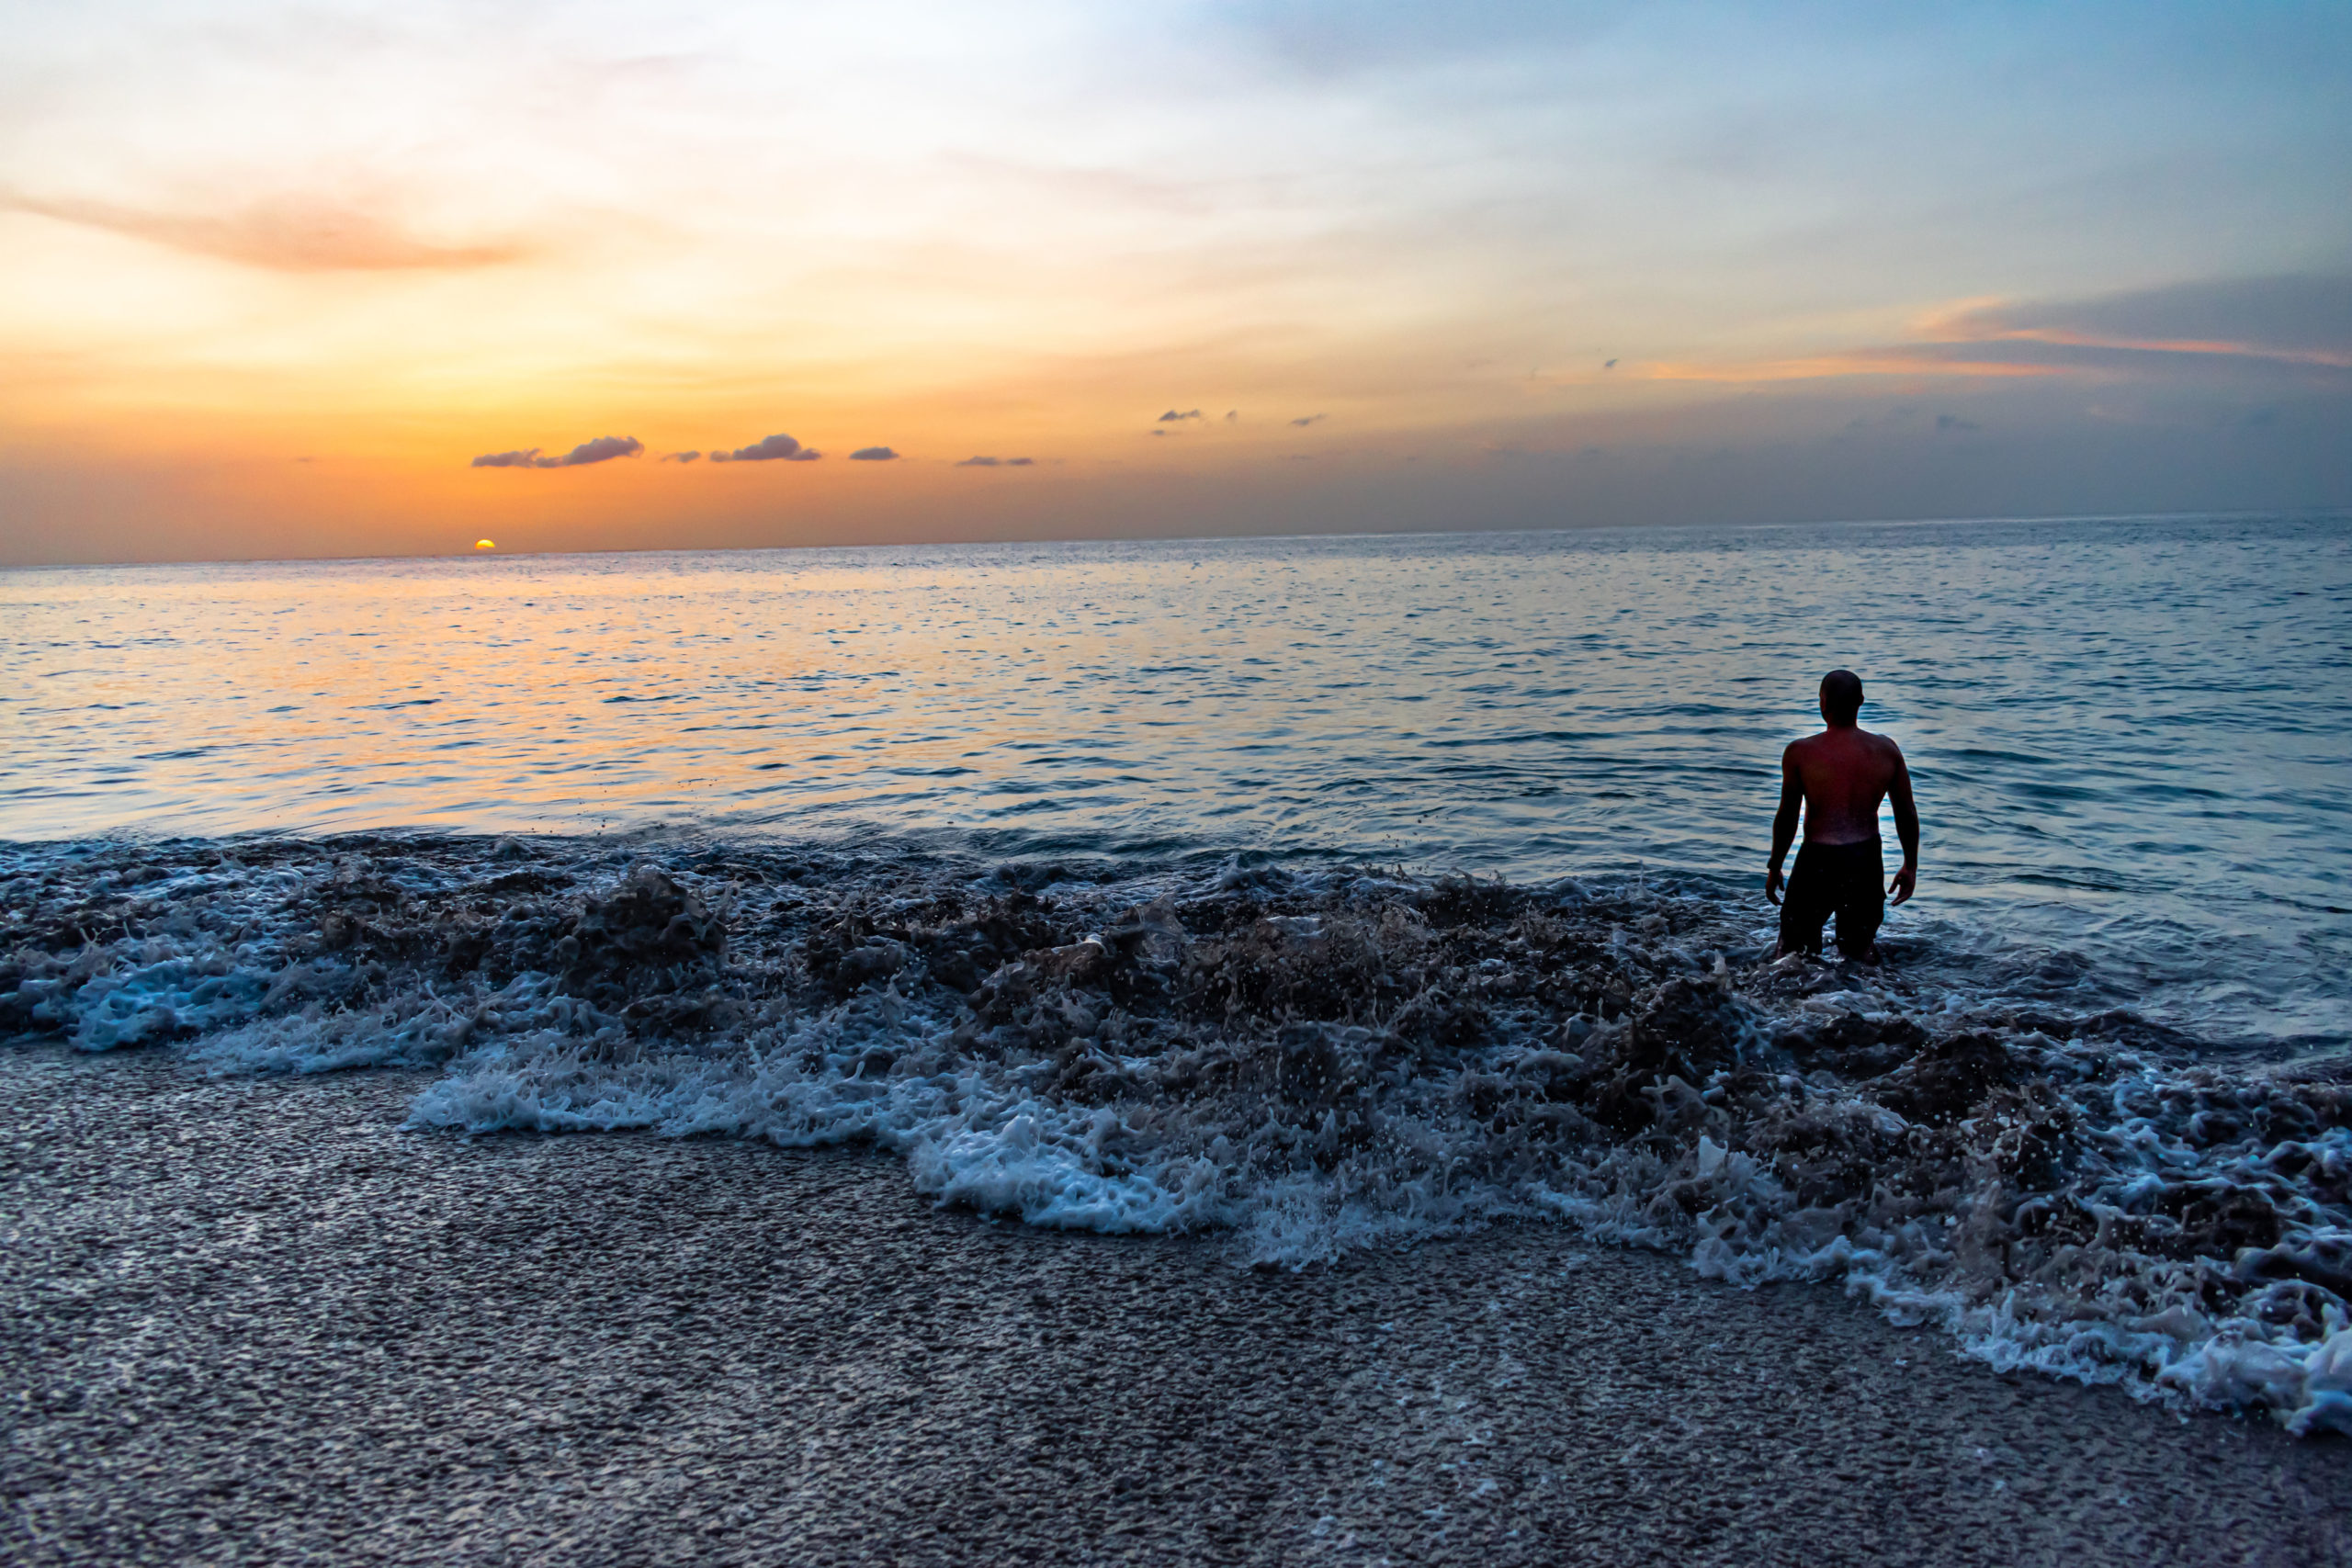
{"type": "Point", "coordinates": [1310, 1064]}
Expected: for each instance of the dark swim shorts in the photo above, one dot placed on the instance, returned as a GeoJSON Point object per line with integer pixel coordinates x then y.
{"type": "Point", "coordinates": [1846, 880]}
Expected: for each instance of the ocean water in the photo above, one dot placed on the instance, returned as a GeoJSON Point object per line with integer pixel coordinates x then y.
{"type": "Point", "coordinates": [1325, 893]}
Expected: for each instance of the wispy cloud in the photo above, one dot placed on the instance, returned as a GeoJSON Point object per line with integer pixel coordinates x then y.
{"type": "Point", "coordinates": [873, 455]}
{"type": "Point", "coordinates": [680, 456]}
{"type": "Point", "coordinates": [1326, 41]}
{"type": "Point", "coordinates": [2277, 323]}
{"type": "Point", "coordinates": [773, 449]}
{"type": "Point", "coordinates": [1173, 416]}
{"type": "Point", "coordinates": [1920, 359]}
{"type": "Point", "coordinates": [1309, 419]}
{"type": "Point", "coordinates": [998, 463]}
{"type": "Point", "coordinates": [2290, 319]}
{"type": "Point", "coordinates": [284, 234]}
{"type": "Point", "coordinates": [603, 449]}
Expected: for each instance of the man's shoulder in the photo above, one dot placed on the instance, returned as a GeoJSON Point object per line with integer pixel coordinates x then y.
{"type": "Point", "coordinates": [1883, 745]}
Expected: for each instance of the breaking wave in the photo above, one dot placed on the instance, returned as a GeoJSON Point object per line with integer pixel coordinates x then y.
{"type": "Point", "coordinates": [1309, 1060]}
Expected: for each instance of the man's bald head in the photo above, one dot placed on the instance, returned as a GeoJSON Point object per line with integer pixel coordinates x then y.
{"type": "Point", "coordinates": [1841, 696]}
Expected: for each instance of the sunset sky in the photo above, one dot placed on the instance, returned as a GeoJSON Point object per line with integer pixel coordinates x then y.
{"type": "Point", "coordinates": [276, 279]}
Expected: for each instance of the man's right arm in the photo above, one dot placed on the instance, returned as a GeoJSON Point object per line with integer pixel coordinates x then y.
{"type": "Point", "coordinates": [1784, 821]}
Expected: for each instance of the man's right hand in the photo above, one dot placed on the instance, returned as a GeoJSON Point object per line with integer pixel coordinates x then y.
{"type": "Point", "coordinates": [1772, 887]}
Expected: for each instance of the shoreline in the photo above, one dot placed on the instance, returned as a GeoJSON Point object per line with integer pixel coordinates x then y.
{"type": "Point", "coordinates": [251, 1319]}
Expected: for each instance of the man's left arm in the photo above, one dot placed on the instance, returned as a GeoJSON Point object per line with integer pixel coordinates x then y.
{"type": "Point", "coordinates": [1906, 828]}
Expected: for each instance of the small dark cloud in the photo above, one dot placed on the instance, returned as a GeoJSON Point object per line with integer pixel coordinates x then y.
{"type": "Point", "coordinates": [873, 455]}
{"type": "Point", "coordinates": [1953, 422]}
{"type": "Point", "coordinates": [1232, 415]}
{"type": "Point", "coordinates": [1155, 432]}
{"type": "Point", "coordinates": [603, 449]}
{"type": "Point", "coordinates": [773, 449]}
{"type": "Point", "coordinates": [1172, 417]}
{"type": "Point", "coordinates": [680, 456]}
{"type": "Point", "coordinates": [1020, 462]}
{"type": "Point", "coordinates": [1609, 364]}
{"type": "Point", "coordinates": [1310, 419]}
{"type": "Point", "coordinates": [1892, 419]}
{"type": "Point", "coordinates": [998, 463]}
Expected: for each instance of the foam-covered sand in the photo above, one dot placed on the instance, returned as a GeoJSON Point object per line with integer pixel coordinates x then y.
{"type": "Point", "coordinates": [252, 1319]}
{"type": "Point", "coordinates": [1301, 1065]}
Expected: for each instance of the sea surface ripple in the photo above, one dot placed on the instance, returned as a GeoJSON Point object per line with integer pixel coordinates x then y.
{"type": "Point", "coordinates": [2130, 735]}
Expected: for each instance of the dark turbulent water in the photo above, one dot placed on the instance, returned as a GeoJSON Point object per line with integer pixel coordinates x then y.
{"type": "Point", "coordinates": [1116, 886]}
{"type": "Point", "coordinates": [2129, 737]}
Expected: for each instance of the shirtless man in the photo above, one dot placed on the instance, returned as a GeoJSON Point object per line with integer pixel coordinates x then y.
{"type": "Point", "coordinates": [1840, 774]}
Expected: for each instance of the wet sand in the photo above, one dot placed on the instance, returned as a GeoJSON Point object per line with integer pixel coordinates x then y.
{"type": "Point", "coordinates": [250, 1320]}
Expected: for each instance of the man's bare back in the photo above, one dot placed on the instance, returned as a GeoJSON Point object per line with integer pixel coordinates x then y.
{"type": "Point", "coordinates": [1837, 779]}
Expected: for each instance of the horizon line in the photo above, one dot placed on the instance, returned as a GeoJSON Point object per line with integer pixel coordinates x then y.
{"type": "Point", "coordinates": [470, 553]}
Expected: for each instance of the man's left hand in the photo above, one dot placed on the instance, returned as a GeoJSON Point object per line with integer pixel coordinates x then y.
{"type": "Point", "coordinates": [1906, 883]}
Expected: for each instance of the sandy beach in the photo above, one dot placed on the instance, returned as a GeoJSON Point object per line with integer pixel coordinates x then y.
{"type": "Point", "coordinates": [252, 1320]}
